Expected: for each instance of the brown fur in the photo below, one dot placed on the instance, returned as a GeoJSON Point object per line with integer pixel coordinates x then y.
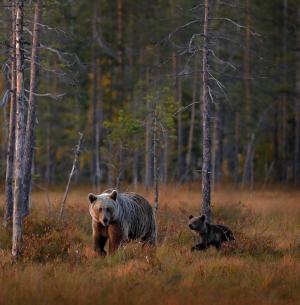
{"type": "Point", "coordinates": [119, 217]}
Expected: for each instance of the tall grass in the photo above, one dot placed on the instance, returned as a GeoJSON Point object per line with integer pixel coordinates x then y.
{"type": "Point", "coordinates": [59, 266]}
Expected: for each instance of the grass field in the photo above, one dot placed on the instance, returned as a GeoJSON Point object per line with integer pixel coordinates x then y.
{"type": "Point", "coordinates": [261, 267]}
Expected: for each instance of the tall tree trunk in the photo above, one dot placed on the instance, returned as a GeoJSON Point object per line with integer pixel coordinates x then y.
{"type": "Point", "coordinates": [284, 97]}
{"type": "Point", "coordinates": [98, 126]}
{"type": "Point", "coordinates": [192, 120]}
{"type": "Point", "coordinates": [297, 108]}
{"type": "Point", "coordinates": [155, 159]}
{"type": "Point", "coordinates": [165, 139]}
{"type": "Point", "coordinates": [95, 98]}
{"type": "Point", "coordinates": [31, 115]}
{"type": "Point", "coordinates": [20, 136]}
{"type": "Point", "coordinates": [276, 149]}
{"type": "Point", "coordinates": [237, 138]}
{"type": "Point", "coordinates": [178, 99]}
{"type": "Point", "coordinates": [12, 126]}
{"type": "Point", "coordinates": [148, 141]}
{"type": "Point", "coordinates": [206, 116]}
{"type": "Point", "coordinates": [247, 174]}
{"type": "Point", "coordinates": [218, 126]}
{"type": "Point", "coordinates": [120, 44]}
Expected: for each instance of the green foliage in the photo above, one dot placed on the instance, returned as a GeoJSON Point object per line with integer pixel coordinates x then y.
{"type": "Point", "coordinates": [122, 129]}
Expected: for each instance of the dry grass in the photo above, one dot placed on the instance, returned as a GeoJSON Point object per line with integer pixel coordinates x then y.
{"type": "Point", "coordinates": [59, 266]}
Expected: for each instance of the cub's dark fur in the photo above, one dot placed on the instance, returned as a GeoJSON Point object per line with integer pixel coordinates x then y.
{"type": "Point", "coordinates": [210, 235]}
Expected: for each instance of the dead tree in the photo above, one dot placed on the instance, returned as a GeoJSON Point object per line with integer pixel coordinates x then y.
{"type": "Point", "coordinates": [20, 135]}
{"type": "Point", "coordinates": [31, 115]}
{"type": "Point", "coordinates": [75, 161]}
{"type": "Point", "coordinates": [12, 126]}
{"type": "Point", "coordinates": [206, 117]}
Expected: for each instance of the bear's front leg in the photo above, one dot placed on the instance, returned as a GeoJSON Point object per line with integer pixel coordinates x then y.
{"type": "Point", "coordinates": [199, 247]}
{"type": "Point", "coordinates": [115, 237]}
{"type": "Point", "coordinates": [102, 241]}
{"type": "Point", "coordinates": [99, 238]}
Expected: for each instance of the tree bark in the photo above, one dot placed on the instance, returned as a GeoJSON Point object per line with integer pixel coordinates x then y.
{"type": "Point", "coordinates": [192, 120]}
{"type": "Point", "coordinates": [31, 114]}
{"type": "Point", "coordinates": [284, 118]}
{"type": "Point", "coordinates": [206, 116]}
{"type": "Point", "coordinates": [247, 80]}
{"type": "Point", "coordinates": [297, 110]}
{"type": "Point", "coordinates": [75, 161]}
{"type": "Point", "coordinates": [20, 136]}
{"type": "Point", "coordinates": [178, 99]}
{"type": "Point", "coordinates": [97, 105]}
{"type": "Point", "coordinates": [155, 160]}
{"type": "Point", "coordinates": [12, 126]}
{"type": "Point", "coordinates": [148, 141]}
{"type": "Point", "coordinates": [95, 97]}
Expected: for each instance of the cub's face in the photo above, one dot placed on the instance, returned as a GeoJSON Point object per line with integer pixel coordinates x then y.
{"type": "Point", "coordinates": [197, 223]}
{"type": "Point", "coordinates": [102, 207]}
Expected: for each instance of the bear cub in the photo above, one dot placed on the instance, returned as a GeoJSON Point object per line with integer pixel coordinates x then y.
{"type": "Point", "coordinates": [210, 235]}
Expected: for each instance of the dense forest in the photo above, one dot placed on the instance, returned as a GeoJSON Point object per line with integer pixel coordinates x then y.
{"type": "Point", "coordinates": [149, 152]}
{"type": "Point", "coordinates": [128, 75]}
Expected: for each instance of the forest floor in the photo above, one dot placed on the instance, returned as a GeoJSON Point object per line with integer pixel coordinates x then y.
{"type": "Point", "coordinates": [59, 266]}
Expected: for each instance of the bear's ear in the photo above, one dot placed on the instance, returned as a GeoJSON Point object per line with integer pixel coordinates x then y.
{"type": "Point", "coordinates": [114, 195]}
{"type": "Point", "coordinates": [92, 198]}
{"type": "Point", "coordinates": [191, 216]}
{"type": "Point", "coordinates": [203, 218]}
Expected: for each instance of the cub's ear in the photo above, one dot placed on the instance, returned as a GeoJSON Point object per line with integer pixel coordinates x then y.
{"type": "Point", "coordinates": [191, 216]}
{"type": "Point", "coordinates": [114, 195]}
{"type": "Point", "coordinates": [92, 198]}
{"type": "Point", "coordinates": [203, 218]}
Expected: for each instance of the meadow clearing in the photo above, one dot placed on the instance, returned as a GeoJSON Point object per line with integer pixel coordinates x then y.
{"type": "Point", "coordinates": [60, 267]}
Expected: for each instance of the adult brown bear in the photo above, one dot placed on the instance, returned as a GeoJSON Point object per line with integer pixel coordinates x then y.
{"type": "Point", "coordinates": [119, 217]}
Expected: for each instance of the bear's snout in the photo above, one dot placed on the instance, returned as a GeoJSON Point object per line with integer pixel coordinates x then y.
{"type": "Point", "coordinates": [105, 222]}
{"type": "Point", "coordinates": [191, 226]}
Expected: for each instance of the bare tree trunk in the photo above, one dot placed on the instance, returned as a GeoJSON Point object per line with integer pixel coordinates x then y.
{"type": "Point", "coordinates": [165, 155]}
{"type": "Point", "coordinates": [206, 116]}
{"type": "Point", "coordinates": [12, 126]}
{"type": "Point", "coordinates": [148, 152]}
{"type": "Point", "coordinates": [20, 136]}
{"type": "Point", "coordinates": [148, 141]}
{"type": "Point", "coordinates": [297, 111]}
{"type": "Point", "coordinates": [178, 99]}
{"type": "Point", "coordinates": [99, 125]}
{"type": "Point", "coordinates": [192, 120]}
{"type": "Point", "coordinates": [31, 115]}
{"type": "Point", "coordinates": [284, 98]}
{"type": "Point", "coordinates": [95, 97]}
{"type": "Point", "coordinates": [155, 160]}
{"type": "Point", "coordinates": [75, 161]}
{"type": "Point", "coordinates": [249, 160]}
{"type": "Point", "coordinates": [236, 147]}
{"type": "Point", "coordinates": [120, 44]}
{"type": "Point", "coordinates": [247, 79]}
